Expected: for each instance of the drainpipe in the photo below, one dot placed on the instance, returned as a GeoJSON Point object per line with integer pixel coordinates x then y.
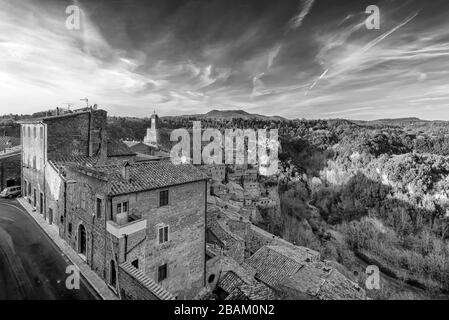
{"type": "Point", "coordinates": [65, 208]}
{"type": "Point", "coordinates": [44, 200]}
{"type": "Point", "coordinates": [205, 227]}
{"type": "Point", "coordinates": [89, 142]}
{"type": "Point", "coordinates": [125, 247]}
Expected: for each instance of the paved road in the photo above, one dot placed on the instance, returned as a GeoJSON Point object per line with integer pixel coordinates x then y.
{"type": "Point", "coordinates": [31, 266]}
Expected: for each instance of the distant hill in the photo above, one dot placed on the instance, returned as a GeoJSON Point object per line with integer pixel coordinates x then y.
{"type": "Point", "coordinates": [401, 120]}
{"type": "Point", "coordinates": [234, 114]}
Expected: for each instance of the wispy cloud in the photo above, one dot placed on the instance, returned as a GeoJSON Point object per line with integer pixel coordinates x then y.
{"type": "Point", "coordinates": [287, 58]}
{"type": "Point", "coordinates": [304, 9]}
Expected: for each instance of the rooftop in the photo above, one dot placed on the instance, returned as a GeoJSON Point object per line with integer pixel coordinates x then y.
{"type": "Point", "coordinates": [148, 175]}
{"type": "Point", "coordinates": [297, 271]}
{"type": "Point", "coordinates": [274, 263]}
{"type": "Point", "coordinates": [143, 175]}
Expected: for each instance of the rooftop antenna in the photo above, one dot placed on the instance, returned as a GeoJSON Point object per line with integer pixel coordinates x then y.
{"type": "Point", "coordinates": [87, 101]}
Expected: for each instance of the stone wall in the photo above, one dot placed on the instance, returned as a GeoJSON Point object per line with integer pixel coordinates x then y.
{"type": "Point", "coordinates": [99, 245]}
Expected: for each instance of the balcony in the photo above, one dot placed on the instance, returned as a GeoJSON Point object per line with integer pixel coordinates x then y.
{"type": "Point", "coordinates": [126, 228]}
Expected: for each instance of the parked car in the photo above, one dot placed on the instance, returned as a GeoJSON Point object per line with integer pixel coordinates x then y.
{"type": "Point", "coordinates": [10, 192]}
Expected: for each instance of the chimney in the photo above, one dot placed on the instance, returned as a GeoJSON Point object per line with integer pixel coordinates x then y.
{"type": "Point", "coordinates": [125, 171]}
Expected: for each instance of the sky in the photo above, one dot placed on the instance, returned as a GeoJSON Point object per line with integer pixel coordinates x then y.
{"type": "Point", "coordinates": [293, 58]}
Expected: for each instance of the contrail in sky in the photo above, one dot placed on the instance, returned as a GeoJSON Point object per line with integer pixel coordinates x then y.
{"type": "Point", "coordinates": [369, 45]}
{"type": "Point", "coordinates": [316, 81]}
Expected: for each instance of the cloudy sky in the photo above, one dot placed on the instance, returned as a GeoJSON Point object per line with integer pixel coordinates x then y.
{"type": "Point", "coordinates": [294, 58]}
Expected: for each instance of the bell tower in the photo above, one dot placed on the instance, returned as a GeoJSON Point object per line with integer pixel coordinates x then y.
{"type": "Point", "coordinates": [152, 137]}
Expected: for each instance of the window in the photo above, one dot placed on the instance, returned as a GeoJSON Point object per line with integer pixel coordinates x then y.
{"type": "Point", "coordinates": [163, 234]}
{"type": "Point", "coordinates": [41, 132]}
{"type": "Point", "coordinates": [135, 263]}
{"type": "Point", "coordinates": [34, 162]}
{"type": "Point", "coordinates": [162, 273]}
{"type": "Point", "coordinates": [112, 274]}
{"type": "Point", "coordinates": [29, 132]}
{"type": "Point", "coordinates": [163, 198]}
{"type": "Point", "coordinates": [83, 198]}
{"type": "Point", "coordinates": [99, 208]}
{"type": "Point", "coordinates": [34, 132]}
{"type": "Point", "coordinates": [70, 228]}
{"type": "Point", "coordinates": [122, 207]}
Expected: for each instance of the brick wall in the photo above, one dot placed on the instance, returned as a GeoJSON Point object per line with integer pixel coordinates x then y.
{"type": "Point", "coordinates": [69, 134]}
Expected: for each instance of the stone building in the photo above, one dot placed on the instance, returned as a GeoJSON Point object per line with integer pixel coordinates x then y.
{"type": "Point", "coordinates": [138, 223]}
{"type": "Point", "coordinates": [150, 214]}
{"type": "Point", "coordinates": [79, 134]}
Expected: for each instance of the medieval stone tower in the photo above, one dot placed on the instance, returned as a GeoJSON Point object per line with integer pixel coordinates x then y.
{"type": "Point", "coordinates": [152, 137]}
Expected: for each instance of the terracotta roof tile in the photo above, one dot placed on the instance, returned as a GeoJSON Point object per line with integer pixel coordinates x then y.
{"type": "Point", "coordinates": [147, 175]}
{"type": "Point", "coordinates": [274, 263]}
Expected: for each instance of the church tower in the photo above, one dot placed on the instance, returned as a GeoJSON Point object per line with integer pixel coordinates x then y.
{"type": "Point", "coordinates": [152, 137]}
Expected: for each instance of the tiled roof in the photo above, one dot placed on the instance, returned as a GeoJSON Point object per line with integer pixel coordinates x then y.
{"type": "Point", "coordinates": [229, 282]}
{"type": "Point", "coordinates": [338, 287]}
{"type": "Point", "coordinates": [237, 294]}
{"type": "Point", "coordinates": [274, 263]}
{"type": "Point", "coordinates": [59, 162]}
{"type": "Point", "coordinates": [152, 286]}
{"type": "Point", "coordinates": [240, 290]}
{"type": "Point", "coordinates": [320, 280]}
{"type": "Point", "coordinates": [147, 175]}
{"type": "Point", "coordinates": [258, 291]}
{"type": "Point", "coordinates": [144, 175]}
{"type": "Point", "coordinates": [225, 236]}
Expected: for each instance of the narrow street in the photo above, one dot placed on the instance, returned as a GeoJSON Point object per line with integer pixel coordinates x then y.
{"type": "Point", "coordinates": [31, 266]}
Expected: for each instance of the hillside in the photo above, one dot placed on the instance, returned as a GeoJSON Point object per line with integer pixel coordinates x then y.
{"type": "Point", "coordinates": [231, 114]}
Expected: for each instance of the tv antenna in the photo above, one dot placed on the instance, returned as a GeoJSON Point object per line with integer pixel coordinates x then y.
{"type": "Point", "coordinates": [87, 101]}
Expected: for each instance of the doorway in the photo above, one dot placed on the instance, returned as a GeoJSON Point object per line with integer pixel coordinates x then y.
{"type": "Point", "coordinates": [82, 241]}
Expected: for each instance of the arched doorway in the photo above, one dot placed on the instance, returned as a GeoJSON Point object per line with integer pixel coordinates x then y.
{"type": "Point", "coordinates": [112, 274]}
{"type": "Point", "coordinates": [82, 241]}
